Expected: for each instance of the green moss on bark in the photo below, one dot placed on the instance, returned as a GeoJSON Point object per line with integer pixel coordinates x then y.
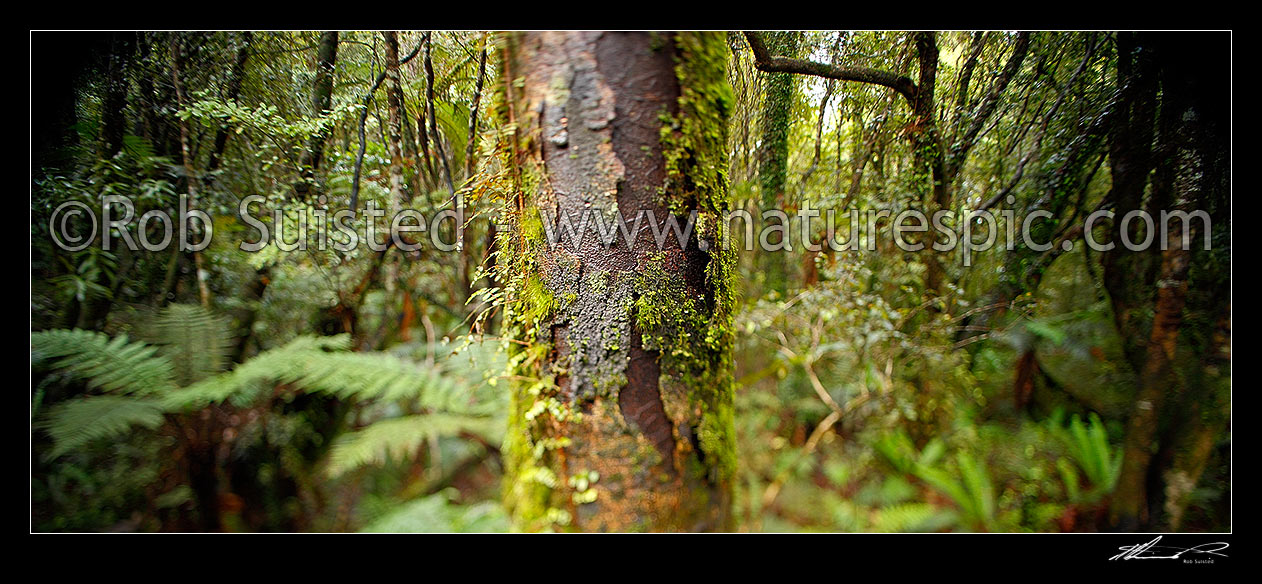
{"type": "Point", "coordinates": [686, 326]}
{"type": "Point", "coordinates": [695, 334]}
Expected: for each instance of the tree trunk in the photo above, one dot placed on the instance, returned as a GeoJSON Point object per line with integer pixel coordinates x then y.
{"type": "Point", "coordinates": [190, 170]}
{"type": "Point", "coordinates": [773, 149]}
{"type": "Point", "coordinates": [1128, 275]}
{"type": "Point", "coordinates": [321, 103]}
{"type": "Point", "coordinates": [1192, 167]}
{"type": "Point", "coordinates": [394, 103]}
{"type": "Point", "coordinates": [929, 173]}
{"type": "Point", "coordinates": [1156, 380]}
{"type": "Point", "coordinates": [235, 79]}
{"type": "Point", "coordinates": [622, 413]}
{"type": "Point", "coordinates": [114, 112]}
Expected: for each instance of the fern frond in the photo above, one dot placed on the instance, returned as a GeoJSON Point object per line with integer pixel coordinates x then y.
{"type": "Point", "coordinates": [79, 421]}
{"type": "Point", "coordinates": [113, 365]}
{"type": "Point", "coordinates": [323, 365]}
{"type": "Point", "coordinates": [946, 484]}
{"type": "Point", "coordinates": [356, 375]}
{"type": "Point", "coordinates": [195, 339]}
{"type": "Point", "coordinates": [436, 514]}
{"type": "Point", "coordinates": [898, 450]}
{"type": "Point", "coordinates": [981, 490]}
{"type": "Point", "coordinates": [1088, 446]}
{"type": "Point", "coordinates": [400, 438]}
{"type": "Point", "coordinates": [273, 365]}
{"type": "Point", "coordinates": [212, 390]}
{"type": "Point", "coordinates": [912, 517]}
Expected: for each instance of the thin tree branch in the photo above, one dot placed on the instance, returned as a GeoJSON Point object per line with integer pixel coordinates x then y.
{"type": "Point", "coordinates": [768, 63]}
{"type": "Point", "coordinates": [473, 111]}
{"type": "Point", "coordinates": [966, 74]}
{"type": "Point", "coordinates": [433, 118]}
{"type": "Point", "coordinates": [990, 102]}
{"type": "Point", "coordinates": [363, 118]}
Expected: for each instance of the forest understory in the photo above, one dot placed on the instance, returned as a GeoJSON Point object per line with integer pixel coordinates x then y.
{"type": "Point", "coordinates": [926, 281]}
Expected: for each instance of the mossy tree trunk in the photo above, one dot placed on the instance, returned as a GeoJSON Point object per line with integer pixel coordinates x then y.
{"type": "Point", "coordinates": [621, 355]}
{"type": "Point", "coordinates": [773, 150]}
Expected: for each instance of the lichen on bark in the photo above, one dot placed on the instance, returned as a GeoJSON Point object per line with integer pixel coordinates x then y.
{"type": "Point", "coordinates": [621, 352]}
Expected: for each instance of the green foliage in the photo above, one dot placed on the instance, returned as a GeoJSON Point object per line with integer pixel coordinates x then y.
{"type": "Point", "coordinates": [898, 450]}
{"type": "Point", "coordinates": [911, 517]}
{"type": "Point", "coordinates": [78, 422]}
{"type": "Point", "coordinates": [196, 339]}
{"type": "Point", "coordinates": [113, 365]}
{"type": "Point", "coordinates": [399, 438]}
{"type": "Point", "coordinates": [968, 483]}
{"type": "Point", "coordinates": [865, 402]}
{"type": "Point", "coordinates": [86, 274]}
{"type": "Point", "coordinates": [265, 119]}
{"type": "Point", "coordinates": [99, 487]}
{"type": "Point", "coordinates": [437, 514]}
{"type": "Point", "coordinates": [971, 489]}
{"type": "Point", "coordinates": [1088, 447]}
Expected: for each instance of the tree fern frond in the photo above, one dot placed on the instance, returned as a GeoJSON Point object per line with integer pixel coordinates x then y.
{"type": "Point", "coordinates": [113, 365]}
{"type": "Point", "coordinates": [196, 340]}
{"type": "Point", "coordinates": [317, 365]}
{"type": "Point", "coordinates": [399, 438]}
{"type": "Point", "coordinates": [435, 514]}
{"type": "Point", "coordinates": [212, 390]}
{"type": "Point", "coordinates": [273, 365]}
{"type": "Point", "coordinates": [79, 421]}
{"type": "Point", "coordinates": [323, 365]}
{"type": "Point", "coordinates": [359, 375]}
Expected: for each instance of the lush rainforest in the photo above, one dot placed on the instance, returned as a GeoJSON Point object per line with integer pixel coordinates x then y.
{"type": "Point", "coordinates": [779, 281]}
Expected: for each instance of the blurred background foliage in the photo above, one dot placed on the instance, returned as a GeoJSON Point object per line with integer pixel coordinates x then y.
{"type": "Point", "coordinates": [362, 391]}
